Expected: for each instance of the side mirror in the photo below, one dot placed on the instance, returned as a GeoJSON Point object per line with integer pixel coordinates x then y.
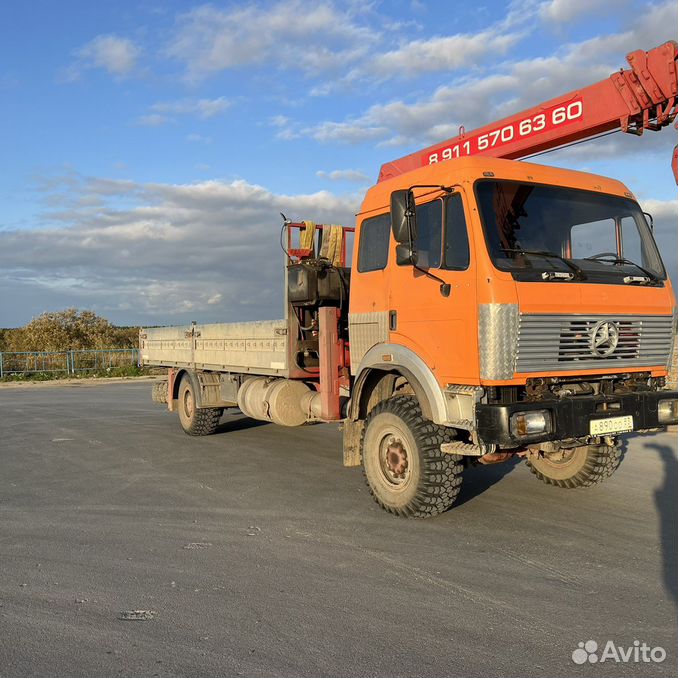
{"type": "Point", "coordinates": [403, 217]}
{"type": "Point", "coordinates": [406, 254]}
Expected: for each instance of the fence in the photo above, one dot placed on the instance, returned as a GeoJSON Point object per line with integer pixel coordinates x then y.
{"type": "Point", "coordinates": [66, 362]}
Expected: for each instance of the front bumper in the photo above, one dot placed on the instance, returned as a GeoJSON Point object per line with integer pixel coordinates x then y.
{"type": "Point", "coordinates": [570, 417]}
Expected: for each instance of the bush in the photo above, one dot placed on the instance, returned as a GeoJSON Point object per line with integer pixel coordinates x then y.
{"type": "Point", "coordinates": [68, 330]}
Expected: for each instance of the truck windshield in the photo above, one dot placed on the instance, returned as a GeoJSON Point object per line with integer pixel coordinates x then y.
{"type": "Point", "coordinates": [533, 230]}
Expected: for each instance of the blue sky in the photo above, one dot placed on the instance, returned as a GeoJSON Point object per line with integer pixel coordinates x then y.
{"type": "Point", "coordinates": [148, 147]}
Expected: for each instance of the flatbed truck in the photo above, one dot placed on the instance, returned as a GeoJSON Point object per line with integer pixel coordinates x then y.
{"type": "Point", "coordinates": [492, 309]}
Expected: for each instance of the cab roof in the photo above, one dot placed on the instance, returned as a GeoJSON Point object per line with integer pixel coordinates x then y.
{"type": "Point", "coordinates": [465, 171]}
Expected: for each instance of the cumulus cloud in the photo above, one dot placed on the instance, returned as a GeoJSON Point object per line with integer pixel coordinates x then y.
{"type": "Point", "coordinates": [442, 53]}
{"type": "Point", "coordinates": [163, 112]}
{"type": "Point", "coordinates": [344, 175]}
{"type": "Point", "coordinates": [278, 120]}
{"type": "Point", "coordinates": [201, 108]}
{"type": "Point", "coordinates": [168, 253]}
{"type": "Point", "coordinates": [476, 100]}
{"type": "Point", "coordinates": [565, 11]}
{"type": "Point", "coordinates": [291, 33]}
{"type": "Point", "coordinates": [118, 56]}
{"type": "Point", "coordinates": [157, 253]}
{"type": "Point", "coordinates": [152, 120]}
{"type": "Point", "coordinates": [447, 53]}
{"type": "Point", "coordinates": [354, 131]}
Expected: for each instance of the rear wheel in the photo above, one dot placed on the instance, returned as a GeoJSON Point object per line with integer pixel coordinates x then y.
{"type": "Point", "coordinates": [159, 392]}
{"type": "Point", "coordinates": [404, 468]}
{"type": "Point", "coordinates": [196, 421]}
{"type": "Point", "coordinates": [578, 467]}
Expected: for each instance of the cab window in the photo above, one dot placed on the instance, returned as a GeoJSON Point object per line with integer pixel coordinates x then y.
{"type": "Point", "coordinates": [457, 254]}
{"type": "Point", "coordinates": [632, 244]}
{"type": "Point", "coordinates": [429, 233]}
{"type": "Point", "coordinates": [435, 219]}
{"type": "Point", "coordinates": [373, 245]}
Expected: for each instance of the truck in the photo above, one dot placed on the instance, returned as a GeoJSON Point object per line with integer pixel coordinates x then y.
{"type": "Point", "coordinates": [492, 309]}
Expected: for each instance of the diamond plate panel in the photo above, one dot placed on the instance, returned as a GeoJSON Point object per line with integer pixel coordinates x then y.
{"type": "Point", "coordinates": [497, 340]}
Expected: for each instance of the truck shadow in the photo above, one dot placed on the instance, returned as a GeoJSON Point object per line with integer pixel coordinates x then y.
{"type": "Point", "coordinates": [238, 422]}
{"type": "Point", "coordinates": [479, 479]}
{"type": "Point", "coordinates": [665, 498]}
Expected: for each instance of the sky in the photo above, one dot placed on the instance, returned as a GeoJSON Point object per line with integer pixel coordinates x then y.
{"type": "Point", "coordinates": [147, 148]}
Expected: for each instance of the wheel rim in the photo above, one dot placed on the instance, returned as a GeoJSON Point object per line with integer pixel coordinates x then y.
{"type": "Point", "coordinates": [394, 460]}
{"type": "Point", "coordinates": [186, 404]}
{"type": "Point", "coordinates": [562, 464]}
{"type": "Point", "coordinates": [189, 404]}
{"type": "Point", "coordinates": [560, 459]}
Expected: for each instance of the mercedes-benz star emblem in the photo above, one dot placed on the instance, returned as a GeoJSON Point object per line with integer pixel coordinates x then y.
{"type": "Point", "coordinates": [604, 338]}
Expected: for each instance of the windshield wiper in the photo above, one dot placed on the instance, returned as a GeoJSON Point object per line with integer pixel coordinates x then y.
{"type": "Point", "coordinates": [578, 273]}
{"type": "Point", "coordinates": [617, 261]}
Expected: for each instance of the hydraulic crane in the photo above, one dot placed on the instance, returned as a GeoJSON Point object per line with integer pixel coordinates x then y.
{"type": "Point", "coordinates": [643, 97]}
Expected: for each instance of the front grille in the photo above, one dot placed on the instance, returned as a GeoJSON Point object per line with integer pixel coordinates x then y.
{"type": "Point", "coordinates": [566, 342]}
{"type": "Point", "coordinates": [575, 341]}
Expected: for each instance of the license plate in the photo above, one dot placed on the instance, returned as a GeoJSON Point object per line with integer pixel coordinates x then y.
{"type": "Point", "coordinates": [601, 427]}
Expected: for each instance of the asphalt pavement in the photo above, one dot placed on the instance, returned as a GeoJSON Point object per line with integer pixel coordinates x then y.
{"type": "Point", "coordinates": [130, 549]}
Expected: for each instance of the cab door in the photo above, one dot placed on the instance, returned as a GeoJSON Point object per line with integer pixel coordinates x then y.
{"type": "Point", "coordinates": [442, 330]}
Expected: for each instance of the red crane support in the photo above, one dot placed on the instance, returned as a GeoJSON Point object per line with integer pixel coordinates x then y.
{"type": "Point", "coordinates": [632, 100]}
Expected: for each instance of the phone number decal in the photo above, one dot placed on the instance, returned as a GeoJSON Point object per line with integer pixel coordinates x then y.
{"type": "Point", "coordinates": [548, 119]}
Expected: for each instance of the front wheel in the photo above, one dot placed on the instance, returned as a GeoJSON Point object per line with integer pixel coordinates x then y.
{"type": "Point", "coordinates": [578, 467]}
{"type": "Point", "coordinates": [196, 421]}
{"type": "Point", "coordinates": [402, 462]}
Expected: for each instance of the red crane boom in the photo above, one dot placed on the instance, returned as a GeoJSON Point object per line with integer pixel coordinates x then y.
{"type": "Point", "coordinates": [632, 100]}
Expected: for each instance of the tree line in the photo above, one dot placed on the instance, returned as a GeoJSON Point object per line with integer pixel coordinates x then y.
{"type": "Point", "coordinates": [68, 330]}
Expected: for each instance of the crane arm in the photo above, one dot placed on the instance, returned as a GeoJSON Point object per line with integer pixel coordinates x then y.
{"type": "Point", "coordinates": [643, 97]}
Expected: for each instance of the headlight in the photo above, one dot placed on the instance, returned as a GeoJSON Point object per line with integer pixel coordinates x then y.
{"type": "Point", "coordinates": [530, 423]}
{"type": "Point", "coordinates": [667, 411]}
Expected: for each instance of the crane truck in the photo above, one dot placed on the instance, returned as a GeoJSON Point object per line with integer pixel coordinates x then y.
{"type": "Point", "coordinates": [493, 309]}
